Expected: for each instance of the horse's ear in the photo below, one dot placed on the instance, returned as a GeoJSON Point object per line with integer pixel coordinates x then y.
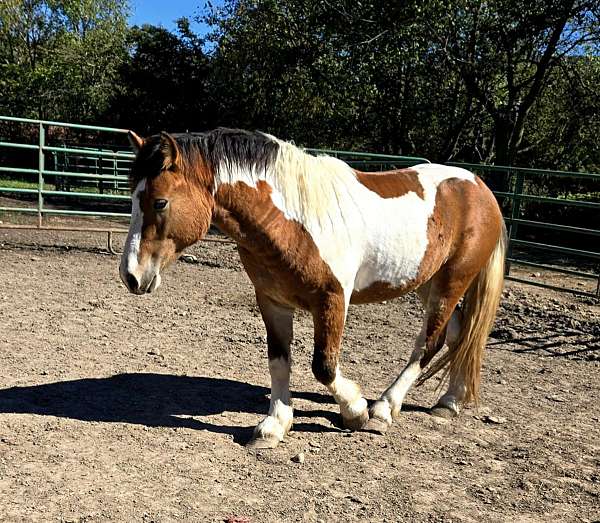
{"type": "Point", "coordinates": [135, 141]}
{"type": "Point", "coordinates": [170, 151]}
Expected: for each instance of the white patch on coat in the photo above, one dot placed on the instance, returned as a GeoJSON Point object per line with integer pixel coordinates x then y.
{"type": "Point", "coordinates": [362, 237]}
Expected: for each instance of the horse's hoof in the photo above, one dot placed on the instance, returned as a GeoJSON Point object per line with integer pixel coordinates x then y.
{"type": "Point", "coordinates": [376, 425]}
{"type": "Point", "coordinates": [261, 442]}
{"type": "Point", "coordinates": [356, 423]}
{"type": "Point", "coordinates": [439, 411]}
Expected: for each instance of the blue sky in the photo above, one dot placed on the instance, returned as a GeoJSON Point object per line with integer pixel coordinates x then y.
{"type": "Point", "coordinates": [165, 12]}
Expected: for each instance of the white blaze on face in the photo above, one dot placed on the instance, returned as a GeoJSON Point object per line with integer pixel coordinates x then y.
{"type": "Point", "coordinates": [148, 277]}
{"type": "Point", "coordinates": [129, 260]}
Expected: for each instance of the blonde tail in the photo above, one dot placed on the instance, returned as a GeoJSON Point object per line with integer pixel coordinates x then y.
{"type": "Point", "coordinates": [479, 307]}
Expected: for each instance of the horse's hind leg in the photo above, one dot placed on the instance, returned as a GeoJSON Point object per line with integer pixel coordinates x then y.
{"type": "Point", "coordinates": [449, 405]}
{"type": "Point", "coordinates": [440, 301]}
{"type": "Point", "coordinates": [279, 323]}
{"type": "Point", "coordinates": [329, 319]}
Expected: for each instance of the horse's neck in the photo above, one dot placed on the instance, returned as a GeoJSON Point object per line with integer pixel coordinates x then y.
{"type": "Point", "coordinates": [314, 192]}
{"type": "Point", "coordinates": [242, 203]}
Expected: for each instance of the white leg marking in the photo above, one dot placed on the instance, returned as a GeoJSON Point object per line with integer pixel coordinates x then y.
{"type": "Point", "coordinates": [453, 398]}
{"type": "Point", "coordinates": [390, 403]}
{"type": "Point", "coordinates": [348, 396]}
{"type": "Point", "coordinates": [279, 421]}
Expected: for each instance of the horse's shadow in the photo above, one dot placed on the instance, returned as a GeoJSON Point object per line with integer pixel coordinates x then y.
{"type": "Point", "coordinates": [153, 400]}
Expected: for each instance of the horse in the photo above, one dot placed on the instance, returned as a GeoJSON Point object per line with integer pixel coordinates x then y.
{"type": "Point", "coordinates": [315, 234]}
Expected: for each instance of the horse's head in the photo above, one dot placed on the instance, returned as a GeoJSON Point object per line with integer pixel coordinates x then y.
{"type": "Point", "coordinates": [171, 208]}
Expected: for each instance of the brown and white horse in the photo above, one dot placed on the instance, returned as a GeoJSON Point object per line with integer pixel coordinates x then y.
{"type": "Point", "coordinates": [315, 234]}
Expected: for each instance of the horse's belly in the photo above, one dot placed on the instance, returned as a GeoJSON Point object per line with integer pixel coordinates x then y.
{"type": "Point", "coordinates": [383, 281]}
{"type": "Point", "coordinates": [391, 262]}
{"type": "Point", "coordinates": [380, 291]}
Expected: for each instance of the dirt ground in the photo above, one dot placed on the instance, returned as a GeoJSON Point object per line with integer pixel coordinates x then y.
{"type": "Point", "coordinates": [115, 407]}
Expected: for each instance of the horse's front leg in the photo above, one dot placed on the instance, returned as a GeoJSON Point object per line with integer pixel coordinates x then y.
{"type": "Point", "coordinates": [329, 318]}
{"type": "Point", "coordinates": [279, 323]}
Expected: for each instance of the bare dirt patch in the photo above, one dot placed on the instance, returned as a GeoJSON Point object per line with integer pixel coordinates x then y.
{"type": "Point", "coordinates": [126, 408]}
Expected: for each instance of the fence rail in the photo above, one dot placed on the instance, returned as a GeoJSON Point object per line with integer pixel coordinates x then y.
{"type": "Point", "coordinates": [92, 171]}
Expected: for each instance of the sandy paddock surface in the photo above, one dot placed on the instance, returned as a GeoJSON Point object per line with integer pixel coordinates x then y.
{"type": "Point", "coordinates": [115, 407]}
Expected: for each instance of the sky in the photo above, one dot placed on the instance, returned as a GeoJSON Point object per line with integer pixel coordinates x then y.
{"type": "Point", "coordinates": [165, 12]}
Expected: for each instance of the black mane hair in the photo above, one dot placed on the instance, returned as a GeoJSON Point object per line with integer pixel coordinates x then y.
{"type": "Point", "coordinates": [230, 147]}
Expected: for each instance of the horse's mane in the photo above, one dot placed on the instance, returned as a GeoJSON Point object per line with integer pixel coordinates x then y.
{"type": "Point", "coordinates": [212, 149]}
{"type": "Point", "coordinates": [308, 187]}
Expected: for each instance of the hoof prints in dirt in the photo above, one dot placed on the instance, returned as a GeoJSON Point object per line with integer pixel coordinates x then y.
{"type": "Point", "coordinates": [548, 328]}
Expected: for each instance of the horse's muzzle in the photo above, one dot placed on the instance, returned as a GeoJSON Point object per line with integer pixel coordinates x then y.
{"type": "Point", "coordinates": [145, 285]}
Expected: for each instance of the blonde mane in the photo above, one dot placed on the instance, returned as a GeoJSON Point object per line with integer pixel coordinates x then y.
{"type": "Point", "coordinates": [306, 188]}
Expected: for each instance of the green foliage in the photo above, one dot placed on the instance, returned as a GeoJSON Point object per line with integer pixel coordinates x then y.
{"type": "Point", "coordinates": [59, 59]}
{"type": "Point", "coordinates": [564, 125]}
{"type": "Point", "coordinates": [505, 52]}
{"type": "Point", "coordinates": [163, 81]}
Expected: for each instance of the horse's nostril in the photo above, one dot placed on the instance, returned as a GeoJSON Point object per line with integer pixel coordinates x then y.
{"type": "Point", "coordinates": [132, 282]}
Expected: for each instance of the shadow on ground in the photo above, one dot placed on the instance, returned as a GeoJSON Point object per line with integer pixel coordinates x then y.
{"type": "Point", "coordinates": [162, 400]}
{"type": "Point", "coordinates": [153, 400]}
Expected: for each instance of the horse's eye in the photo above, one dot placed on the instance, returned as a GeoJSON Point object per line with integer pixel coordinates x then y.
{"type": "Point", "coordinates": [159, 205]}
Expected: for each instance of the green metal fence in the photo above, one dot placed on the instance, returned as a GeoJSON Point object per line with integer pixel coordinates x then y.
{"type": "Point", "coordinates": [69, 169]}
{"type": "Point", "coordinates": [526, 252]}
{"type": "Point", "coordinates": [86, 174]}
{"type": "Point", "coordinates": [83, 175]}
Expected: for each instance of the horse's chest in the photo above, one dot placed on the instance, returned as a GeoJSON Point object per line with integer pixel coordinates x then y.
{"type": "Point", "coordinates": [391, 268]}
{"type": "Point", "coordinates": [280, 283]}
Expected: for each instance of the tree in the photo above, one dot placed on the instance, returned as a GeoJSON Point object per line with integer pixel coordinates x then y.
{"type": "Point", "coordinates": [278, 66]}
{"type": "Point", "coordinates": [564, 125]}
{"type": "Point", "coordinates": [505, 52]}
{"type": "Point", "coordinates": [163, 84]}
{"type": "Point", "coordinates": [59, 58]}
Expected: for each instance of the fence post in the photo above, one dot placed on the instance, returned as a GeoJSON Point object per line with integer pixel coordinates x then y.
{"type": "Point", "coordinates": [515, 213]}
{"type": "Point", "coordinates": [41, 167]}
{"type": "Point", "coordinates": [99, 171]}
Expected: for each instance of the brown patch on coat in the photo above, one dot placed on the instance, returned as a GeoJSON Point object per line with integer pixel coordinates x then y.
{"type": "Point", "coordinates": [285, 265]}
{"type": "Point", "coordinates": [392, 184]}
{"type": "Point", "coordinates": [474, 268]}
{"type": "Point", "coordinates": [381, 291]}
{"type": "Point", "coordinates": [463, 232]}
{"type": "Point", "coordinates": [284, 262]}
{"type": "Point", "coordinates": [463, 229]}
{"type": "Point", "coordinates": [461, 235]}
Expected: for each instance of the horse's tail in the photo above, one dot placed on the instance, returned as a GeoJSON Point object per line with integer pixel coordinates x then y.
{"type": "Point", "coordinates": [479, 307]}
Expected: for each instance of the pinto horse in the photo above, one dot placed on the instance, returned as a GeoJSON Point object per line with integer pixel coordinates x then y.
{"type": "Point", "coordinates": [315, 234]}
